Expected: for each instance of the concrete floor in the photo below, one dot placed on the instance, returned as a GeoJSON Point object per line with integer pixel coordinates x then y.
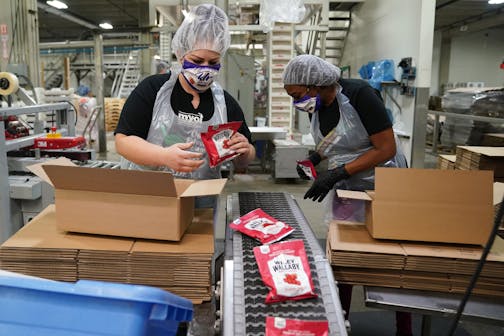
{"type": "Point", "coordinates": [364, 321]}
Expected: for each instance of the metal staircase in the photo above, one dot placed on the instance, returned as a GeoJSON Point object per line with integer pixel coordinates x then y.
{"type": "Point", "coordinates": [129, 77]}
{"type": "Point", "coordinates": [339, 25]}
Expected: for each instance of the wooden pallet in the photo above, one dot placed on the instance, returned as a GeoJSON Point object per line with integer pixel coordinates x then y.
{"type": "Point", "coordinates": [113, 108]}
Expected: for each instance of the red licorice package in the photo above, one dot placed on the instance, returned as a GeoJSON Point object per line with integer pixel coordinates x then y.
{"type": "Point", "coordinates": [308, 169]}
{"type": "Point", "coordinates": [216, 142]}
{"type": "Point", "coordinates": [279, 326]}
{"type": "Point", "coordinates": [261, 226]}
{"type": "Point", "coordinates": [285, 270]}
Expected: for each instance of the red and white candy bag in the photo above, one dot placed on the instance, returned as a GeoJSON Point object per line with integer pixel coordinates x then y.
{"type": "Point", "coordinates": [308, 168]}
{"type": "Point", "coordinates": [261, 226]}
{"type": "Point", "coordinates": [285, 270]}
{"type": "Point", "coordinates": [216, 140]}
{"type": "Point", "coordinates": [279, 326]}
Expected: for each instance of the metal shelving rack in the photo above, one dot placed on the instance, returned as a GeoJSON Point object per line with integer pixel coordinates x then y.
{"type": "Point", "coordinates": [280, 52]}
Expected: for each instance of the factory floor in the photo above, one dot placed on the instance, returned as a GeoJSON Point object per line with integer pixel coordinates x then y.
{"type": "Point", "coordinates": [364, 321]}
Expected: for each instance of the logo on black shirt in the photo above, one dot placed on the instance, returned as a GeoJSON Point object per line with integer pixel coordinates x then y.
{"type": "Point", "coordinates": [190, 118]}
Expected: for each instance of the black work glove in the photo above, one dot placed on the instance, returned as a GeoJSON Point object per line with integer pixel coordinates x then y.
{"type": "Point", "coordinates": [315, 159]}
{"type": "Point", "coordinates": [325, 182]}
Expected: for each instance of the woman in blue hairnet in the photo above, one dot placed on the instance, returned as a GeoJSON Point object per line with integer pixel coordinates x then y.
{"type": "Point", "coordinates": [162, 119]}
{"type": "Point", "coordinates": [353, 133]}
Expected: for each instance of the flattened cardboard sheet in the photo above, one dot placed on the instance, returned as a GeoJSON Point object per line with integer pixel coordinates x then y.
{"type": "Point", "coordinates": [488, 151]}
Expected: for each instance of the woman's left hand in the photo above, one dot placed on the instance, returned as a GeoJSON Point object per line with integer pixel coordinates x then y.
{"type": "Point", "coordinates": [239, 143]}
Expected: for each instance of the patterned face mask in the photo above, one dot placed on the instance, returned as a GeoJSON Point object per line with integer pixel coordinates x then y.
{"type": "Point", "coordinates": [308, 104]}
{"type": "Point", "coordinates": [199, 77]}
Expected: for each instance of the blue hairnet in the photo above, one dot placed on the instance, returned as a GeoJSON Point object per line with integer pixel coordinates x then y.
{"type": "Point", "coordinates": [310, 70]}
{"type": "Point", "coordinates": [83, 90]}
{"type": "Point", "coordinates": [204, 27]}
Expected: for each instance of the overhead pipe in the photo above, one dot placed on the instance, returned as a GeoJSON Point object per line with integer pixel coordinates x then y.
{"type": "Point", "coordinates": [67, 16]}
{"type": "Point", "coordinates": [87, 44]}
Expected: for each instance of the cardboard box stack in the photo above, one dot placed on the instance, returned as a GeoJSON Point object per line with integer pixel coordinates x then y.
{"type": "Point", "coordinates": [481, 158]}
{"type": "Point", "coordinates": [446, 161]}
{"type": "Point", "coordinates": [424, 229]}
{"type": "Point", "coordinates": [42, 249]}
{"type": "Point", "coordinates": [123, 226]}
{"type": "Point", "coordinates": [435, 267]}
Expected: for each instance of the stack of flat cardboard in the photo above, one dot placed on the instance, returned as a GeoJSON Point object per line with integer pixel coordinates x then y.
{"type": "Point", "coordinates": [481, 158]}
{"type": "Point", "coordinates": [493, 140]}
{"type": "Point", "coordinates": [183, 267]}
{"type": "Point", "coordinates": [56, 264]}
{"type": "Point", "coordinates": [356, 249]}
{"type": "Point", "coordinates": [437, 267]}
{"type": "Point", "coordinates": [446, 161]}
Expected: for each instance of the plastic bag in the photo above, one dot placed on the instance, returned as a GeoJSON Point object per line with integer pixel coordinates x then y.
{"type": "Point", "coordinates": [308, 169]}
{"type": "Point", "coordinates": [292, 11]}
{"type": "Point", "coordinates": [279, 326]}
{"type": "Point", "coordinates": [285, 270]}
{"type": "Point", "coordinates": [215, 141]}
{"type": "Point", "coordinates": [261, 226]}
{"type": "Point", "coordinates": [366, 71]}
{"type": "Point", "coordinates": [383, 71]}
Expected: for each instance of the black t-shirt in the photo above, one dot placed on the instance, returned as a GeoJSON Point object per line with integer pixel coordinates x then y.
{"type": "Point", "coordinates": [366, 101]}
{"type": "Point", "coordinates": [136, 115]}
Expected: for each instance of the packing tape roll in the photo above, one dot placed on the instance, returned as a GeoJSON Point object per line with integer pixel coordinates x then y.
{"type": "Point", "coordinates": [9, 83]}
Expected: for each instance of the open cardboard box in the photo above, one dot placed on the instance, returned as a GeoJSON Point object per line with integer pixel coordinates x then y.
{"type": "Point", "coordinates": [129, 203]}
{"type": "Point", "coordinates": [449, 206]}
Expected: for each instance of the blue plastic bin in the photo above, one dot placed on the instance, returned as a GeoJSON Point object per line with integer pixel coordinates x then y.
{"type": "Point", "coordinates": [34, 306]}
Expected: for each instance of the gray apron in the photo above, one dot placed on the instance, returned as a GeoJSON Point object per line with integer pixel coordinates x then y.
{"type": "Point", "coordinates": [168, 128]}
{"type": "Point", "coordinates": [345, 143]}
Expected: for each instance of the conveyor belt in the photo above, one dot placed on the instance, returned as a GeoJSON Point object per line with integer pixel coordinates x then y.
{"type": "Point", "coordinates": [248, 292]}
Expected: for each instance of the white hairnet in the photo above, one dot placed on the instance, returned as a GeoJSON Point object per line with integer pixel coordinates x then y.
{"type": "Point", "coordinates": [310, 70]}
{"type": "Point", "coordinates": [204, 27]}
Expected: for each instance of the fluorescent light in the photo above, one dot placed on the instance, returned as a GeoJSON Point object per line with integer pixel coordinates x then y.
{"type": "Point", "coordinates": [57, 4]}
{"type": "Point", "coordinates": [106, 25]}
{"type": "Point", "coordinates": [495, 2]}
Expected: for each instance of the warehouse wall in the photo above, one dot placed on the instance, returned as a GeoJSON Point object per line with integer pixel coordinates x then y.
{"type": "Point", "coordinates": [394, 29]}
{"type": "Point", "coordinates": [471, 57]}
{"type": "Point", "coordinates": [476, 57]}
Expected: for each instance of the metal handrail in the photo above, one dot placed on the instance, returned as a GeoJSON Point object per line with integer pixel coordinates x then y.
{"type": "Point", "coordinates": [91, 123]}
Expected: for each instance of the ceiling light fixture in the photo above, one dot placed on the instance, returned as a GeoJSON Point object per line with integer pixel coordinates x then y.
{"type": "Point", "coordinates": [106, 25]}
{"type": "Point", "coordinates": [57, 4]}
{"type": "Point", "coordinates": [495, 2]}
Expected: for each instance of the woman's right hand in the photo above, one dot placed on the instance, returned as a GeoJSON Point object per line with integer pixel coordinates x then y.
{"type": "Point", "coordinates": [179, 158]}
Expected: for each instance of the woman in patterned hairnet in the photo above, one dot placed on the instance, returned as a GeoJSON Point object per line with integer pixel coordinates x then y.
{"type": "Point", "coordinates": [353, 132]}
{"type": "Point", "coordinates": [160, 124]}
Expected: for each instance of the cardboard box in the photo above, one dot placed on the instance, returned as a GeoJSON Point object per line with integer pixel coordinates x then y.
{"type": "Point", "coordinates": [129, 203]}
{"type": "Point", "coordinates": [432, 205]}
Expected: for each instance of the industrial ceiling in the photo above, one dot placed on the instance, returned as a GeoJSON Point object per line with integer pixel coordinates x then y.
{"type": "Point", "coordinates": [131, 16]}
